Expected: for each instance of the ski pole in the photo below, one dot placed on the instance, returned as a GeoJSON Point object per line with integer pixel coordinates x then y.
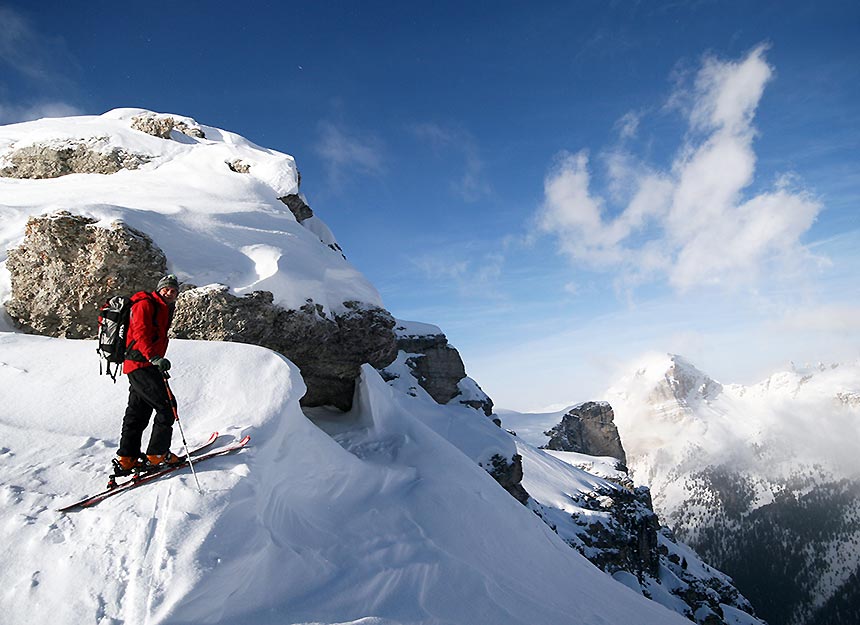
{"type": "Point", "coordinates": [181, 433]}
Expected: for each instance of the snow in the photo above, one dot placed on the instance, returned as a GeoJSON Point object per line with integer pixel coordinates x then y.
{"type": "Point", "coordinates": [802, 417]}
{"type": "Point", "coordinates": [214, 225]}
{"type": "Point", "coordinates": [673, 419]}
{"type": "Point", "coordinates": [383, 515]}
{"type": "Point", "coordinates": [405, 329]}
{"type": "Point", "coordinates": [375, 516]}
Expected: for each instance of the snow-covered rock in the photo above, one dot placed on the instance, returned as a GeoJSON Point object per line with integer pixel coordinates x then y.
{"type": "Point", "coordinates": [437, 366]}
{"type": "Point", "coordinates": [214, 225]}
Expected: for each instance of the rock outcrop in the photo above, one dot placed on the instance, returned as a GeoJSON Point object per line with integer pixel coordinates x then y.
{"type": "Point", "coordinates": [297, 205]}
{"type": "Point", "coordinates": [588, 428]}
{"type": "Point", "coordinates": [68, 266]}
{"type": "Point", "coordinates": [616, 528]}
{"type": "Point", "coordinates": [161, 126]}
{"type": "Point", "coordinates": [328, 350]}
{"type": "Point", "coordinates": [439, 368]}
{"type": "Point", "coordinates": [509, 475]}
{"type": "Point", "coordinates": [55, 159]}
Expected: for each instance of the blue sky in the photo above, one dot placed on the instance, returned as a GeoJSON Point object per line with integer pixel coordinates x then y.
{"type": "Point", "coordinates": [560, 186]}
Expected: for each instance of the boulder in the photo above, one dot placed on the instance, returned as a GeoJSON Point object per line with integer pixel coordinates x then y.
{"type": "Point", "coordinates": [329, 350]}
{"type": "Point", "coordinates": [68, 266]}
{"type": "Point", "coordinates": [239, 166]}
{"type": "Point", "coordinates": [161, 126]}
{"type": "Point", "coordinates": [588, 428]}
{"type": "Point", "coordinates": [52, 160]}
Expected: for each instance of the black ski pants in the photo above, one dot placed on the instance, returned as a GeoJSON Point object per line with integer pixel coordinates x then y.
{"type": "Point", "coordinates": [146, 392]}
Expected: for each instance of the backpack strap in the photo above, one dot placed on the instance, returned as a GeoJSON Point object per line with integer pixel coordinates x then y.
{"type": "Point", "coordinates": [131, 353]}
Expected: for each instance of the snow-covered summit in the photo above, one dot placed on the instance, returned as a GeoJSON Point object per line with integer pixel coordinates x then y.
{"type": "Point", "coordinates": [668, 379]}
{"type": "Point", "coordinates": [209, 198]}
{"type": "Point", "coordinates": [667, 403]}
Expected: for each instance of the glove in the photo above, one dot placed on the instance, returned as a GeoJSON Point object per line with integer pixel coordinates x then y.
{"type": "Point", "coordinates": [162, 364]}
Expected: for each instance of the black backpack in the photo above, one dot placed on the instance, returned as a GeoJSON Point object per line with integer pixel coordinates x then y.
{"type": "Point", "coordinates": [112, 331]}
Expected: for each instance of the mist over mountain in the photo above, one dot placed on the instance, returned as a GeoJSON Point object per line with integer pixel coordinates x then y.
{"type": "Point", "coordinates": [762, 480]}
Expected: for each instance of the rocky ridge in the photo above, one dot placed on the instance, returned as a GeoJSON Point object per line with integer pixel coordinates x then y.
{"type": "Point", "coordinates": [438, 367]}
{"type": "Point", "coordinates": [326, 345]}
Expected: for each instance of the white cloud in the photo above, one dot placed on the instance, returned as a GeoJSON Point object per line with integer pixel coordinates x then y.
{"type": "Point", "coordinates": [628, 125]}
{"type": "Point", "coordinates": [475, 273]}
{"type": "Point", "coordinates": [691, 224]}
{"type": "Point", "coordinates": [12, 113]}
{"type": "Point", "coordinates": [831, 319]}
{"type": "Point", "coordinates": [346, 152]}
{"type": "Point", "coordinates": [41, 58]}
{"type": "Point", "coordinates": [43, 62]}
{"type": "Point", "coordinates": [472, 185]}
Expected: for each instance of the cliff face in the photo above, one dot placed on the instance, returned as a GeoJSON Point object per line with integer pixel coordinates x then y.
{"type": "Point", "coordinates": [438, 367]}
{"type": "Point", "coordinates": [612, 522]}
{"type": "Point", "coordinates": [588, 428]}
{"type": "Point", "coordinates": [328, 350]}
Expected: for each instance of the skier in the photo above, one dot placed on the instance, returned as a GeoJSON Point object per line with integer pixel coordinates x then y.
{"type": "Point", "coordinates": [146, 368]}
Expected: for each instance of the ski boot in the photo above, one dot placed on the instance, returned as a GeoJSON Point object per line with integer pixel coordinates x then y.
{"type": "Point", "coordinates": [124, 466]}
{"type": "Point", "coordinates": [160, 461]}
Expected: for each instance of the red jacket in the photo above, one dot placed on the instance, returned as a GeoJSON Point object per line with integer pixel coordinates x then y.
{"type": "Point", "coordinates": [147, 330]}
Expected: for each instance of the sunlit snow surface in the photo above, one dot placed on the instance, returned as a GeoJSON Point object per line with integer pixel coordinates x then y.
{"type": "Point", "coordinates": [381, 514]}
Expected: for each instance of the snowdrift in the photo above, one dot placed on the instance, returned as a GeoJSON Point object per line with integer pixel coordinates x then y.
{"type": "Point", "coordinates": [375, 517]}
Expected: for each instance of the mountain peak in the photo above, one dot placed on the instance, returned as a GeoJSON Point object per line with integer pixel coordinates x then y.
{"type": "Point", "coordinates": [688, 383]}
{"type": "Point", "coordinates": [669, 378]}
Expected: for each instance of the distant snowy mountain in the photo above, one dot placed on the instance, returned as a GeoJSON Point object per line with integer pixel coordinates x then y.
{"type": "Point", "coordinates": [762, 480]}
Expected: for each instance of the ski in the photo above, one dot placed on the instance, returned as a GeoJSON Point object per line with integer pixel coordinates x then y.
{"type": "Point", "coordinates": [153, 475]}
{"type": "Point", "coordinates": [113, 486]}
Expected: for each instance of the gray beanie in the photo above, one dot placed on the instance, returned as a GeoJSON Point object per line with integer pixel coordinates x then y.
{"type": "Point", "coordinates": [168, 280]}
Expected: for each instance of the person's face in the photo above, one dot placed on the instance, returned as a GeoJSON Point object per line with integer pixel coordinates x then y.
{"type": "Point", "coordinates": [169, 294]}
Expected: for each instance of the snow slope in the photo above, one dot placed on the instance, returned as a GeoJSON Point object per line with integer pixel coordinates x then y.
{"type": "Point", "coordinates": [373, 518]}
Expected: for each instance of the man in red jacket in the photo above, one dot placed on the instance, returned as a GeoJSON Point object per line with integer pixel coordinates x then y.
{"type": "Point", "coordinates": [145, 366]}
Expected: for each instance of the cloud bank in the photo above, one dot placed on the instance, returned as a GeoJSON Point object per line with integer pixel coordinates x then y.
{"type": "Point", "coordinates": [691, 224]}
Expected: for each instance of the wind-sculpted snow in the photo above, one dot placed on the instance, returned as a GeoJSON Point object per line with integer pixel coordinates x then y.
{"type": "Point", "coordinates": [375, 516]}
